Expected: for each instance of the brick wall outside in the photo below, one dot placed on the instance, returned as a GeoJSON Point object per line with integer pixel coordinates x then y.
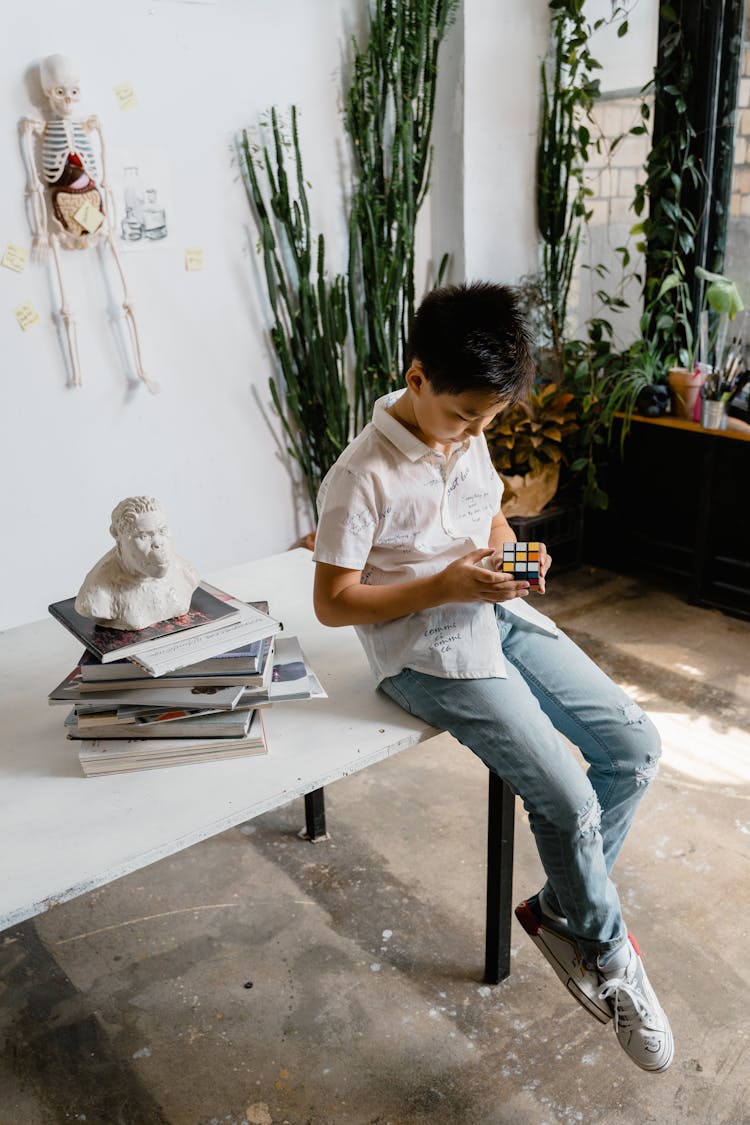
{"type": "Point", "coordinates": [612, 178]}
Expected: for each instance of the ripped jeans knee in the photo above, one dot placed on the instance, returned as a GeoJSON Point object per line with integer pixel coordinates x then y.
{"type": "Point", "coordinates": [590, 817]}
{"type": "Point", "coordinates": [645, 748]}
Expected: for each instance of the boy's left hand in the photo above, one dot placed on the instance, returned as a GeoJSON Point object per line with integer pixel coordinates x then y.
{"type": "Point", "coordinates": [545, 562]}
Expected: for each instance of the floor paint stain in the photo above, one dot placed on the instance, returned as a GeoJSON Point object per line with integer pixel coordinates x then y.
{"type": "Point", "coordinates": [258, 1114]}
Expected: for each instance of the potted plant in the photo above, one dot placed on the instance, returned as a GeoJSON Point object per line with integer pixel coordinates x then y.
{"type": "Point", "coordinates": [721, 303]}
{"type": "Point", "coordinates": [526, 444]}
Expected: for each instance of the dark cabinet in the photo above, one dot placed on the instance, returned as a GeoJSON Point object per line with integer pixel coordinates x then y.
{"type": "Point", "coordinates": [678, 506]}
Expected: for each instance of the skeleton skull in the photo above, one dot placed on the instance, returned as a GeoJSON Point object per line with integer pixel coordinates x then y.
{"type": "Point", "coordinates": [60, 83]}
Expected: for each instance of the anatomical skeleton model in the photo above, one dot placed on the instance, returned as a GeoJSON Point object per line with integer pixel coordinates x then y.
{"type": "Point", "coordinates": [73, 212]}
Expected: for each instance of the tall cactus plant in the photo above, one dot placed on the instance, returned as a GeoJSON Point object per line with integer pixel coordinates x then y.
{"type": "Point", "coordinates": [309, 311]}
{"type": "Point", "coordinates": [389, 114]}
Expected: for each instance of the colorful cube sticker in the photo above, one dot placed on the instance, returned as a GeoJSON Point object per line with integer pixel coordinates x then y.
{"type": "Point", "coordinates": [522, 561]}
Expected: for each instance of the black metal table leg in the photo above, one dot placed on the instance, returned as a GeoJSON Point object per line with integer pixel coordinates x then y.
{"type": "Point", "coordinates": [315, 817]}
{"type": "Point", "coordinates": [500, 823]}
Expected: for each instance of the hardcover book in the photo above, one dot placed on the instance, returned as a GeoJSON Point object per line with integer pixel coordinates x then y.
{"type": "Point", "coordinates": [187, 649]}
{"type": "Point", "coordinates": [246, 658]}
{"type": "Point", "coordinates": [207, 673]}
{"type": "Point", "coordinates": [193, 698]}
{"type": "Point", "coordinates": [172, 723]}
{"type": "Point", "coordinates": [105, 756]}
{"type": "Point", "coordinates": [206, 613]}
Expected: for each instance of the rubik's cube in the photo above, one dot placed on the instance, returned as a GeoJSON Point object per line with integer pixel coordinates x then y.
{"type": "Point", "coordinates": [522, 561]}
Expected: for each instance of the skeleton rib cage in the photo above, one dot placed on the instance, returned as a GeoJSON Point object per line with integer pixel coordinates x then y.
{"type": "Point", "coordinates": [61, 140]}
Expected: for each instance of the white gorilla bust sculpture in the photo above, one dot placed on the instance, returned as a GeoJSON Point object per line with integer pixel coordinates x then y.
{"type": "Point", "coordinates": [140, 581]}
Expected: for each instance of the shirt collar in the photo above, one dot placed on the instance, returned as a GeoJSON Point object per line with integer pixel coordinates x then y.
{"type": "Point", "coordinates": [397, 433]}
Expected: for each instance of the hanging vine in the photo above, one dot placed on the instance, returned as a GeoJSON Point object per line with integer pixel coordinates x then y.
{"type": "Point", "coordinates": [569, 91]}
{"type": "Point", "coordinates": [670, 226]}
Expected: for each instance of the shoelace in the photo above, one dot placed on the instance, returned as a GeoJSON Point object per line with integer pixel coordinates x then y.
{"type": "Point", "coordinates": [623, 1019]}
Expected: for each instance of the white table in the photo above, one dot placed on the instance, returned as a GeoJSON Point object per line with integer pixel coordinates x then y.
{"type": "Point", "coordinates": [62, 834]}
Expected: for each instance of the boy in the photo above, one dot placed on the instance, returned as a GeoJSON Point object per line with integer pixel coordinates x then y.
{"type": "Point", "coordinates": [407, 550]}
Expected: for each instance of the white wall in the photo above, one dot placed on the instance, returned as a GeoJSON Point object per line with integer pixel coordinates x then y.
{"type": "Point", "coordinates": [208, 445]}
{"type": "Point", "coordinates": [504, 42]}
{"type": "Point", "coordinates": [627, 62]}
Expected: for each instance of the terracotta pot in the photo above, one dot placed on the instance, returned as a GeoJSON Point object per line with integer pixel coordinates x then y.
{"type": "Point", "coordinates": [684, 389]}
{"type": "Point", "coordinates": [527, 495]}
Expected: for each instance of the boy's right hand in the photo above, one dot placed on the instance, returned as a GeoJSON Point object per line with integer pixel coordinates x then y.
{"type": "Point", "coordinates": [466, 580]}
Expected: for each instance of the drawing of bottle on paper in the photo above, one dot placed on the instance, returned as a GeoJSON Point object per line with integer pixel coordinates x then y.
{"type": "Point", "coordinates": [154, 217]}
{"type": "Point", "coordinates": [134, 195]}
{"type": "Point", "coordinates": [144, 202]}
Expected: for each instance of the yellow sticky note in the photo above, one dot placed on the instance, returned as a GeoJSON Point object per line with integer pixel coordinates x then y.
{"type": "Point", "coordinates": [26, 315]}
{"type": "Point", "coordinates": [194, 259]}
{"type": "Point", "coordinates": [125, 95]}
{"type": "Point", "coordinates": [89, 217]}
{"type": "Point", "coordinates": [14, 258]}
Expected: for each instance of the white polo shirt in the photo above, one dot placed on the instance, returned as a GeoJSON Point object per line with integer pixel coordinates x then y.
{"type": "Point", "coordinates": [396, 509]}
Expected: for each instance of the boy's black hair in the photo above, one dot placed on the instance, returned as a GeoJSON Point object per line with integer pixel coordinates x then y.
{"type": "Point", "coordinates": [472, 338]}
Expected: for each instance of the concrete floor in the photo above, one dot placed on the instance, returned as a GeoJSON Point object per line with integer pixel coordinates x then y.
{"type": "Point", "coordinates": [257, 980]}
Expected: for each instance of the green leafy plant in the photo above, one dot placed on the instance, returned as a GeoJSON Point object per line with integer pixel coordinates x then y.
{"type": "Point", "coordinates": [309, 310]}
{"type": "Point", "coordinates": [722, 302]}
{"type": "Point", "coordinates": [640, 369]}
{"type": "Point", "coordinates": [670, 226]}
{"type": "Point", "coordinates": [389, 114]}
{"type": "Point", "coordinates": [583, 366]}
{"type": "Point", "coordinates": [528, 436]}
{"type": "Point", "coordinates": [569, 90]}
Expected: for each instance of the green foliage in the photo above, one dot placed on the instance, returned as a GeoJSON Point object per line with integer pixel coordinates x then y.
{"type": "Point", "coordinates": [569, 90]}
{"type": "Point", "coordinates": [585, 368]}
{"type": "Point", "coordinates": [670, 227]}
{"type": "Point", "coordinates": [722, 302]}
{"type": "Point", "coordinates": [525, 437]}
{"type": "Point", "coordinates": [639, 368]}
{"type": "Point", "coordinates": [309, 311]}
{"type": "Point", "coordinates": [389, 113]}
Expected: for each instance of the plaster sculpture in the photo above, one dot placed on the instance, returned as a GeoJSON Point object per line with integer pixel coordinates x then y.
{"type": "Point", "coordinates": [77, 210]}
{"type": "Point", "coordinates": [140, 581]}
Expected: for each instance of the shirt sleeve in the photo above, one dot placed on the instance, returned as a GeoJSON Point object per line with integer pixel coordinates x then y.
{"type": "Point", "coordinates": [347, 519]}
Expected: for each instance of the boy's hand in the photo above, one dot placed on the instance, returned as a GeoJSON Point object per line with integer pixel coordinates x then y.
{"type": "Point", "coordinates": [468, 580]}
{"type": "Point", "coordinates": [494, 561]}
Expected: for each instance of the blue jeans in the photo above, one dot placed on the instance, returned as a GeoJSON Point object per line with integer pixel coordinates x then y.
{"type": "Point", "coordinates": [579, 819]}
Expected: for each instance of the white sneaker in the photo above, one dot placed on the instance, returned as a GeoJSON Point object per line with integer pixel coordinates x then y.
{"type": "Point", "coordinates": [641, 1026]}
{"type": "Point", "coordinates": [556, 943]}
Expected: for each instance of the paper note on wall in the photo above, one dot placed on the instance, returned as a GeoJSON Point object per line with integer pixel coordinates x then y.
{"type": "Point", "coordinates": [194, 259]}
{"type": "Point", "coordinates": [14, 258]}
{"type": "Point", "coordinates": [89, 217]}
{"type": "Point", "coordinates": [26, 315]}
{"type": "Point", "coordinates": [125, 96]}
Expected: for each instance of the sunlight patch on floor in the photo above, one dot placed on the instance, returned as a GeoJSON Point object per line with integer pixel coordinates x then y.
{"type": "Point", "coordinates": [702, 749]}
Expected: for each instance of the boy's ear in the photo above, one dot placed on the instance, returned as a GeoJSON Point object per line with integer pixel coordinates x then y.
{"type": "Point", "coordinates": [415, 377]}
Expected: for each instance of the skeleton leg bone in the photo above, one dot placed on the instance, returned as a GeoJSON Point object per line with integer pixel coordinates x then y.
{"type": "Point", "coordinates": [130, 318]}
{"type": "Point", "coordinates": [69, 322]}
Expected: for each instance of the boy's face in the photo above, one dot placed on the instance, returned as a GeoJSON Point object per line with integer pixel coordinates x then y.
{"type": "Point", "coordinates": [444, 419]}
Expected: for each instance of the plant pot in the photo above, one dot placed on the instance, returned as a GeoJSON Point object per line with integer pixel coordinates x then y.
{"type": "Point", "coordinates": [684, 389]}
{"type": "Point", "coordinates": [527, 495]}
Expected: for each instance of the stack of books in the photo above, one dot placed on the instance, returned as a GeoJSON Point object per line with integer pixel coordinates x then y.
{"type": "Point", "coordinates": [185, 690]}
